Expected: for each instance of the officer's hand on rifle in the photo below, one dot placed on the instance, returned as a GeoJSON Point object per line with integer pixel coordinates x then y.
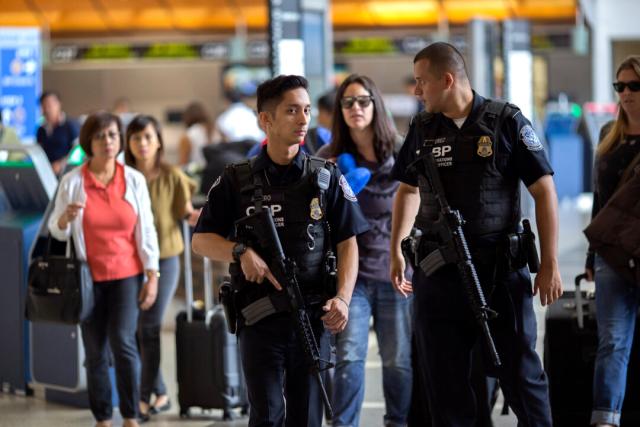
{"type": "Point", "coordinates": [255, 269]}
{"type": "Point", "coordinates": [337, 314]}
{"type": "Point", "coordinates": [548, 282]}
{"type": "Point", "coordinates": [400, 283]}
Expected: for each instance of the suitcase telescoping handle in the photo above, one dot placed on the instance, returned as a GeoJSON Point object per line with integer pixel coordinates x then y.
{"type": "Point", "coordinates": [578, 296]}
{"type": "Point", "coordinates": [188, 273]}
{"type": "Point", "coordinates": [208, 284]}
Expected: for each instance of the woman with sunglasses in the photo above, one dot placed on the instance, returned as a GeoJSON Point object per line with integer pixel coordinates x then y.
{"type": "Point", "coordinates": [362, 128]}
{"type": "Point", "coordinates": [617, 299]}
{"type": "Point", "coordinates": [170, 192]}
{"type": "Point", "coordinates": [105, 208]}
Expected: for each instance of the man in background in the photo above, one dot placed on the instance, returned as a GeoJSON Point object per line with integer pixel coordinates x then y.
{"type": "Point", "coordinates": [58, 133]}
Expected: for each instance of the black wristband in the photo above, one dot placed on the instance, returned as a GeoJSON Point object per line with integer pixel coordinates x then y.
{"type": "Point", "coordinates": [237, 251]}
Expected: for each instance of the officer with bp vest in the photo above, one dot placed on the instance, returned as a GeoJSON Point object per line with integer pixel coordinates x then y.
{"type": "Point", "coordinates": [316, 217]}
{"type": "Point", "coordinates": [481, 150]}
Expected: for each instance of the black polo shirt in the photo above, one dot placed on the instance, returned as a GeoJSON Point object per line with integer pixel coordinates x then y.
{"type": "Point", "coordinates": [343, 212]}
{"type": "Point", "coordinates": [527, 158]}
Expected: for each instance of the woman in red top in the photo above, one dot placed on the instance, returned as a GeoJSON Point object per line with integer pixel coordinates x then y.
{"type": "Point", "coordinates": [104, 206]}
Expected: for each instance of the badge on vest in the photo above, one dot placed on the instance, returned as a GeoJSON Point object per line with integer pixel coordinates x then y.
{"type": "Point", "coordinates": [485, 146]}
{"type": "Point", "coordinates": [314, 209]}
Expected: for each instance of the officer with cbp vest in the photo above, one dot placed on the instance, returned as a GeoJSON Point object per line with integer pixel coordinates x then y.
{"type": "Point", "coordinates": [482, 149]}
{"type": "Point", "coordinates": [312, 221]}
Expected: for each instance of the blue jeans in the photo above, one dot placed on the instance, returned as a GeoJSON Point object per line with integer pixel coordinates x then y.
{"type": "Point", "coordinates": [113, 319]}
{"type": "Point", "coordinates": [616, 308]}
{"type": "Point", "coordinates": [392, 314]}
{"type": "Point", "coordinates": [149, 325]}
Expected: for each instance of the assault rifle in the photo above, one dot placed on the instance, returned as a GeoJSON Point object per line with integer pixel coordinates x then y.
{"type": "Point", "coordinates": [261, 227]}
{"type": "Point", "coordinates": [453, 249]}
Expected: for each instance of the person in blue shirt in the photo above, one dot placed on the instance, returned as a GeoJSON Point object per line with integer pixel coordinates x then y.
{"type": "Point", "coordinates": [58, 133]}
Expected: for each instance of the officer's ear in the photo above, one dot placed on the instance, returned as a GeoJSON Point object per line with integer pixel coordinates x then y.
{"type": "Point", "coordinates": [265, 119]}
{"type": "Point", "coordinates": [449, 79]}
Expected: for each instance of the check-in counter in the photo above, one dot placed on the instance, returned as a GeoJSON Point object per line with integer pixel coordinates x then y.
{"type": "Point", "coordinates": [27, 185]}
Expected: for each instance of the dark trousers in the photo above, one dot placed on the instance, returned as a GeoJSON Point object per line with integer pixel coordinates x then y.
{"type": "Point", "coordinates": [273, 362]}
{"type": "Point", "coordinates": [149, 326]}
{"type": "Point", "coordinates": [446, 336]}
{"type": "Point", "coordinates": [113, 324]}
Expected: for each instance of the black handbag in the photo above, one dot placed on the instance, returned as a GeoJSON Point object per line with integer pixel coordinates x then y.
{"type": "Point", "coordinates": [60, 288]}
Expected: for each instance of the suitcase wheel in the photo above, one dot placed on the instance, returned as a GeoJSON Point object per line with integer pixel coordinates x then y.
{"type": "Point", "coordinates": [184, 412]}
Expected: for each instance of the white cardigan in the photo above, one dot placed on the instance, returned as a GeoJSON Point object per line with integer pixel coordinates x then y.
{"type": "Point", "coordinates": [71, 189]}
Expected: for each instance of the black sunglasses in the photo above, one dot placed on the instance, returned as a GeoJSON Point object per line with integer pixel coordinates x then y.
{"type": "Point", "coordinates": [633, 86]}
{"type": "Point", "coordinates": [363, 101]}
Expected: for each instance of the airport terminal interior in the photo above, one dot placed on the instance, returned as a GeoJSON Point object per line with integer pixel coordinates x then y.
{"type": "Point", "coordinates": [192, 64]}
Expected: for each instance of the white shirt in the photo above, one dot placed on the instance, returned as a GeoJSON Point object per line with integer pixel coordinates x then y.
{"type": "Point", "coordinates": [198, 138]}
{"type": "Point", "coordinates": [459, 122]}
{"type": "Point", "coordinates": [239, 122]}
{"type": "Point", "coordinates": [71, 189]}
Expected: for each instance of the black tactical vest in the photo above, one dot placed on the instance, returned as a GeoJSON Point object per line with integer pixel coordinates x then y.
{"type": "Point", "coordinates": [299, 213]}
{"type": "Point", "coordinates": [469, 161]}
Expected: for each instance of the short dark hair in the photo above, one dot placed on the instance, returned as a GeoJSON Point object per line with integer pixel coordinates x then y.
{"type": "Point", "coordinates": [327, 102]}
{"type": "Point", "coordinates": [138, 124]}
{"type": "Point", "coordinates": [48, 93]}
{"type": "Point", "coordinates": [94, 124]}
{"type": "Point", "coordinates": [443, 57]}
{"type": "Point", "coordinates": [384, 134]}
{"type": "Point", "coordinates": [270, 91]}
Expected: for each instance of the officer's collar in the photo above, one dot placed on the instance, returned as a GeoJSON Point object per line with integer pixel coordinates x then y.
{"type": "Point", "coordinates": [476, 103]}
{"type": "Point", "coordinates": [264, 162]}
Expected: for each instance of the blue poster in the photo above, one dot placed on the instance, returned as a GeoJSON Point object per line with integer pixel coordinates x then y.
{"type": "Point", "coordinates": [20, 79]}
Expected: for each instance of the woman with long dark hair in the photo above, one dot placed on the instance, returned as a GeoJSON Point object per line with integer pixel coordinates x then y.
{"type": "Point", "coordinates": [170, 190]}
{"type": "Point", "coordinates": [363, 129]}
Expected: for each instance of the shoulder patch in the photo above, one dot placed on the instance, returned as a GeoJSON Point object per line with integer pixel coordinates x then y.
{"type": "Point", "coordinates": [346, 189]}
{"type": "Point", "coordinates": [530, 139]}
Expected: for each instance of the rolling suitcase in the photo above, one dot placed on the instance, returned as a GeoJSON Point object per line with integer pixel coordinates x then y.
{"type": "Point", "coordinates": [570, 346]}
{"type": "Point", "coordinates": [208, 361]}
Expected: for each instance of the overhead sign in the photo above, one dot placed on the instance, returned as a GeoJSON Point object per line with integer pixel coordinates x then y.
{"type": "Point", "coordinates": [20, 79]}
{"type": "Point", "coordinates": [256, 49]}
{"type": "Point", "coordinates": [116, 51]}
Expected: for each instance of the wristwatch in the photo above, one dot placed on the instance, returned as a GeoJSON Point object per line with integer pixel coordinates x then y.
{"type": "Point", "coordinates": [238, 250]}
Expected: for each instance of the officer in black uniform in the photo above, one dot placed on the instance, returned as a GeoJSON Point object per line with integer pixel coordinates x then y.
{"type": "Point", "coordinates": [310, 222]}
{"type": "Point", "coordinates": [482, 149]}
